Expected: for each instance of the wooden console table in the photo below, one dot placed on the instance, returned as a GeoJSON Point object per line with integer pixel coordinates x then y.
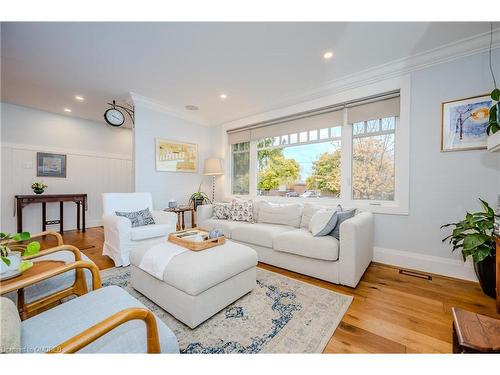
{"type": "Point", "coordinates": [497, 240]}
{"type": "Point", "coordinates": [24, 200]}
{"type": "Point", "coordinates": [180, 216]}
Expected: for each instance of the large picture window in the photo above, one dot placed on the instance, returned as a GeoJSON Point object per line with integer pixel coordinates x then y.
{"type": "Point", "coordinates": [348, 155]}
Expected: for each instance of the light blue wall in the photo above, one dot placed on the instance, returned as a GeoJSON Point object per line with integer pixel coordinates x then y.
{"type": "Point", "coordinates": [443, 186]}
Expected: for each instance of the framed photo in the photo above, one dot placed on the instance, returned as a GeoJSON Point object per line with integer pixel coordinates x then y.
{"type": "Point", "coordinates": [464, 123]}
{"type": "Point", "coordinates": [50, 165]}
{"type": "Point", "coordinates": [174, 156]}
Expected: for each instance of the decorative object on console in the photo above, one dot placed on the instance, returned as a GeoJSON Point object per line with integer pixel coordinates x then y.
{"type": "Point", "coordinates": [474, 236]}
{"type": "Point", "coordinates": [213, 167]}
{"type": "Point", "coordinates": [138, 218]}
{"type": "Point", "coordinates": [172, 203]}
{"type": "Point", "coordinates": [11, 264]}
{"type": "Point", "coordinates": [50, 165]}
{"type": "Point", "coordinates": [174, 156]}
{"type": "Point", "coordinates": [38, 187]}
{"type": "Point", "coordinates": [241, 210]}
{"type": "Point", "coordinates": [198, 198]}
{"type": "Point", "coordinates": [464, 123]}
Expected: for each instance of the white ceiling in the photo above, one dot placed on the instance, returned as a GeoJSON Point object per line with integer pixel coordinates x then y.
{"type": "Point", "coordinates": [44, 65]}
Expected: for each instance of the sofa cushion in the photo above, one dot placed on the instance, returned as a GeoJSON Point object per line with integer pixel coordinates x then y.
{"type": "Point", "coordinates": [52, 327]}
{"type": "Point", "coordinates": [308, 211]}
{"type": "Point", "coordinates": [226, 226]}
{"type": "Point", "coordinates": [302, 242]}
{"type": "Point", "coordinates": [342, 216]}
{"type": "Point", "coordinates": [10, 323]}
{"type": "Point", "coordinates": [149, 231]}
{"type": "Point", "coordinates": [241, 210]}
{"type": "Point", "coordinates": [138, 218]}
{"type": "Point", "coordinates": [259, 234]}
{"type": "Point", "coordinates": [323, 222]}
{"type": "Point", "coordinates": [221, 210]}
{"type": "Point", "coordinates": [283, 214]}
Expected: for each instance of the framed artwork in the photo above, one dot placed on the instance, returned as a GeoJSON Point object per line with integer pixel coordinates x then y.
{"type": "Point", "coordinates": [50, 165]}
{"type": "Point", "coordinates": [174, 156]}
{"type": "Point", "coordinates": [464, 122]}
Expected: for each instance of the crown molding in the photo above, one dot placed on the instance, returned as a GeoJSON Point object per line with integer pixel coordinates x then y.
{"type": "Point", "coordinates": [397, 68]}
{"type": "Point", "coordinates": [160, 107]}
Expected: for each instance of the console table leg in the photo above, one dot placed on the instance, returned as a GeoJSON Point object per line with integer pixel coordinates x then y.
{"type": "Point", "coordinates": [61, 218]}
{"type": "Point", "coordinates": [78, 215]}
{"type": "Point", "coordinates": [44, 216]}
{"type": "Point", "coordinates": [84, 208]}
{"type": "Point", "coordinates": [19, 210]}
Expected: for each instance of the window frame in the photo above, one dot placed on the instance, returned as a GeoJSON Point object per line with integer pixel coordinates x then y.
{"type": "Point", "coordinates": [400, 205]}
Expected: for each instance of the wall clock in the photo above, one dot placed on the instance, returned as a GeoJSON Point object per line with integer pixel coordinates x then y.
{"type": "Point", "coordinates": [114, 115]}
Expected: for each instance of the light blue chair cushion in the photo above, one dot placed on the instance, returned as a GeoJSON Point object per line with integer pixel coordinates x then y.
{"type": "Point", "coordinates": [54, 284]}
{"type": "Point", "coordinates": [52, 327]}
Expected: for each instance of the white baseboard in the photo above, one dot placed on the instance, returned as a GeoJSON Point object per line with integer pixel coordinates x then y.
{"type": "Point", "coordinates": [425, 263]}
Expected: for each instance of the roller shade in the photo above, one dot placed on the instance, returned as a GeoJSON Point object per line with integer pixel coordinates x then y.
{"type": "Point", "coordinates": [374, 110]}
{"type": "Point", "coordinates": [311, 122]}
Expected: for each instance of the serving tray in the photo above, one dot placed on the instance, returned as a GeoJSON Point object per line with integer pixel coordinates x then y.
{"type": "Point", "coordinates": [184, 238]}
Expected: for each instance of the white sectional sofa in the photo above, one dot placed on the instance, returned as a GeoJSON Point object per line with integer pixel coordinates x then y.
{"type": "Point", "coordinates": [293, 247]}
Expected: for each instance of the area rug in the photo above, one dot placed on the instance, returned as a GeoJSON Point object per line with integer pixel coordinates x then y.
{"type": "Point", "coordinates": [281, 315]}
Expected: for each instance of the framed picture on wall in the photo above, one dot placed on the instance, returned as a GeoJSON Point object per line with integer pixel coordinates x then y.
{"type": "Point", "coordinates": [50, 165]}
{"type": "Point", "coordinates": [174, 156]}
{"type": "Point", "coordinates": [464, 122]}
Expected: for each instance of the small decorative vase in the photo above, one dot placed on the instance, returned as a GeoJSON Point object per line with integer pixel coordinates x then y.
{"type": "Point", "coordinates": [12, 270]}
{"type": "Point", "coordinates": [38, 191]}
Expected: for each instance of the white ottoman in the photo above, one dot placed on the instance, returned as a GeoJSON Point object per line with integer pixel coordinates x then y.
{"type": "Point", "coordinates": [198, 284]}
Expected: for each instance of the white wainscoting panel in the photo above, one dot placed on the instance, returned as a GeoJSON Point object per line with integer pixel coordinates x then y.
{"type": "Point", "coordinates": [90, 173]}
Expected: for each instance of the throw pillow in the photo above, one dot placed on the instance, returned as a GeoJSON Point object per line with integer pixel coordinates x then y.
{"type": "Point", "coordinates": [342, 216]}
{"type": "Point", "coordinates": [138, 218]}
{"type": "Point", "coordinates": [221, 210]}
{"type": "Point", "coordinates": [323, 222]}
{"type": "Point", "coordinates": [242, 210]}
{"type": "Point", "coordinates": [10, 335]}
{"type": "Point", "coordinates": [283, 214]}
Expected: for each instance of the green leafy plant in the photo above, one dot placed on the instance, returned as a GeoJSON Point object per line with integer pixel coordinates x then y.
{"type": "Point", "coordinates": [199, 197]}
{"type": "Point", "coordinates": [38, 186]}
{"type": "Point", "coordinates": [9, 243]}
{"type": "Point", "coordinates": [474, 234]}
{"type": "Point", "coordinates": [493, 125]}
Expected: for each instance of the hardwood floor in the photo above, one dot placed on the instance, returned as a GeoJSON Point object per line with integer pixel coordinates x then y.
{"type": "Point", "coordinates": [390, 313]}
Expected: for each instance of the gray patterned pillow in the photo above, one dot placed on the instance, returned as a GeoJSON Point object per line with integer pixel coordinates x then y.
{"type": "Point", "coordinates": [242, 210]}
{"type": "Point", "coordinates": [138, 218]}
{"type": "Point", "coordinates": [221, 211]}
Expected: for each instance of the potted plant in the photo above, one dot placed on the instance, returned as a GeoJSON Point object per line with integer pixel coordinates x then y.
{"type": "Point", "coordinates": [38, 187]}
{"type": "Point", "coordinates": [198, 198]}
{"type": "Point", "coordinates": [474, 236]}
{"type": "Point", "coordinates": [11, 252]}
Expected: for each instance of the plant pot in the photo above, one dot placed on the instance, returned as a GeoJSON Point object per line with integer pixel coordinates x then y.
{"type": "Point", "coordinates": [38, 191]}
{"type": "Point", "coordinates": [197, 202]}
{"type": "Point", "coordinates": [485, 272]}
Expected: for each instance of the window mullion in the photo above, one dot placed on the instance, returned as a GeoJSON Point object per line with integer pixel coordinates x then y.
{"type": "Point", "coordinates": [253, 168]}
{"type": "Point", "coordinates": [345, 161]}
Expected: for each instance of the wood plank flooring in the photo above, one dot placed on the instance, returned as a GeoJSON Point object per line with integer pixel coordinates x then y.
{"type": "Point", "coordinates": [390, 313]}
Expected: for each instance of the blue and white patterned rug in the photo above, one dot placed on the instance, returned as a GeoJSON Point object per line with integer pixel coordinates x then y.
{"type": "Point", "coordinates": [281, 315]}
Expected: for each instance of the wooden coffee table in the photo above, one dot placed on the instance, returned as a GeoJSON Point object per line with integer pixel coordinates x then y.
{"type": "Point", "coordinates": [180, 216]}
{"type": "Point", "coordinates": [38, 268]}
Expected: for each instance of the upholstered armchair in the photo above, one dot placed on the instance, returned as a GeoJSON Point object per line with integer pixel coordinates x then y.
{"type": "Point", "coordinates": [105, 320]}
{"type": "Point", "coordinates": [120, 238]}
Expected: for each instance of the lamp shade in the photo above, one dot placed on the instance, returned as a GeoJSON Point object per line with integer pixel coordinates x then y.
{"type": "Point", "coordinates": [212, 167]}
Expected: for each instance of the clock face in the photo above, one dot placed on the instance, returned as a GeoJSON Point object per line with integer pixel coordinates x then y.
{"type": "Point", "coordinates": [114, 117]}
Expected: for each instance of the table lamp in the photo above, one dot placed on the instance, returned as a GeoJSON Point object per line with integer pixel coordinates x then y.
{"type": "Point", "coordinates": [213, 167]}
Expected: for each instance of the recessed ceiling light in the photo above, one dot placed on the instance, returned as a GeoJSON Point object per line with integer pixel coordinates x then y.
{"type": "Point", "coordinates": [223, 96]}
{"type": "Point", "coordinates": [191, 107]}
{"type": "Point", "coordinates": [67, 110]}
{"type": "Point", "coordinates": [328, 55]}
{"type": "Point", "coordinates": [79, 98]}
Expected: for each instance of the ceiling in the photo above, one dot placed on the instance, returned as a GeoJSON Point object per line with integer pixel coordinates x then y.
{"type": "Point", "coordinates": [44, 65]}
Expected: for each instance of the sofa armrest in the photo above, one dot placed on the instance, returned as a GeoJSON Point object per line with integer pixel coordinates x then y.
{"type": "Point", "coordinates": [116, 229]}
{"type": "Point", "coordinates": [163, 217]}
{"type": "Point", "coordinates": [203, 212]}
{"type": "Point", "coordinates": [356, 248]}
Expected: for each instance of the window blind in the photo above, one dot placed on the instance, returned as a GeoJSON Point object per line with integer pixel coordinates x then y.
{"type": "Point", "coordinates": [374, 107]}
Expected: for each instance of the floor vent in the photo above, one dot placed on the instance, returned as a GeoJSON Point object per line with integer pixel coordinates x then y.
{"type": "Point", "coordinates": [415, 274]}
